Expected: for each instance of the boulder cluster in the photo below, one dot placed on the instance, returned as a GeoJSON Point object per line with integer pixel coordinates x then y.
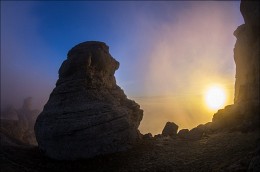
{"type": "Point", "coordinates": [87, 113]}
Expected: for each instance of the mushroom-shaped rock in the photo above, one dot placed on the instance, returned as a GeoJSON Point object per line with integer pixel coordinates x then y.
{"type": "Point", "coordinates": [87, 114]}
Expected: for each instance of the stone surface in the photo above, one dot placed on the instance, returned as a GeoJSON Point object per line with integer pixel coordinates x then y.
{"type": "Point", "coordinates": [254, 165]}
{"type": "Point", "coordinates": [183, 133]}
{"type": "Point", "coordinates": [247, 53]}
{"type": "Point", "coordinates": [170, 129]}
{"type": "Point", "coordinates": [244, 114]}
{"type": "Point", "coordinates": [148, 136]}
{"type": "Point", "coordinates": [87, 114]}
{"type": "Point", "coordinates": [197, 132]}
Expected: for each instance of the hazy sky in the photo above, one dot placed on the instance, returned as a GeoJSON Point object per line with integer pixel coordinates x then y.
{"type": "Point", "coordinates": [169, 51]}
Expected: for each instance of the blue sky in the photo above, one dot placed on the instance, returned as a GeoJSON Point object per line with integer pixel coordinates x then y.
{"type": "Point", "coordinates": [165, 49]}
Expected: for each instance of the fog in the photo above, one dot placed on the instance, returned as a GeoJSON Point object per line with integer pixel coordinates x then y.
{"type": "Point", "coordinates": [186, 56]}
{"type": "Point", "coordinates": [25, 66]}
{"type": "Point", "coordinates": [169, 52]}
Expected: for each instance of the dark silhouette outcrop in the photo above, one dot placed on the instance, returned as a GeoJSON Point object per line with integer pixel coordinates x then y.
{"type": "Point", "coordinates": [247, 54]}
{"type": "Point", "coordinates": [170, 129]}
{"type": "Point", "coordinates": [87, 114]}
{"type": "Point", "coordinates": [244, 115]}
{"type": "Point", "coordinates": [183, 133]}
{"type": "Point", "coordinates": [147, 136]}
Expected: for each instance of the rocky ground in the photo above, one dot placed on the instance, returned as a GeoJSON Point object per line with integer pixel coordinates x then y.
{"type": "Point", "coordinates": [216, 152]}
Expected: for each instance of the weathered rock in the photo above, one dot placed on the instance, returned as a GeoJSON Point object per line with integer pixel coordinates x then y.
{"type": "Point", "coordinates": [183, 133]}
{"type": "Point", "coordinates": [197, 132]}
{"type": "Point", "coordinates": [247, 53]}
{"type": "Point", "coordinates": [244, 115]}
{"type": "Point", "coordinates": [170, 129]}
{"type": "Point", "coordinates": [158, 136]}
{"type": "Point", "coordinates": [254, 165]}
{"type": "Point", "coordinates": [87, 114]}
{"type": "Point", "coordinates": [148, 136]}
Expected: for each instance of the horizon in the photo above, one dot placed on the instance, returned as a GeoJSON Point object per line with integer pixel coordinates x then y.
{"type": "Point", "coordinates": [169, 52]}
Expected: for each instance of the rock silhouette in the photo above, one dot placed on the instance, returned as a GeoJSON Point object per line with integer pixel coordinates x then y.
{"type": "Point", "coordinates": [87, 114]}
{"type": "Point", "coordinates": [246, 54]}
{"type": "Point", "coordinates": [68, 118]}
{"type": "Point", "coordinates": [183, 133]}
{"type": "Point", "coordinates": [243, 115]}
{"type": "Point", "coordinates": [170, 129]}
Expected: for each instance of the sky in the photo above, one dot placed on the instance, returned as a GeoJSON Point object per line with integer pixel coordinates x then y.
{"type": "Point", "coordinates": [170, 52]}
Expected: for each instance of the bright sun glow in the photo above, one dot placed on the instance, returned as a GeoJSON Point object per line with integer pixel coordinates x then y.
{"type": "Point", "coordinates": [215, 97]}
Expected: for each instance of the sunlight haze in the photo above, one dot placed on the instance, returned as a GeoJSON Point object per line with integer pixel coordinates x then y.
{"type": "Point", "coordinates": [169, 52]}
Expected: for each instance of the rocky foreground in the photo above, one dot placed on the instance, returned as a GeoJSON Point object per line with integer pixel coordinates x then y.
{"type": "Point", "coordinates": [225, 151]}
{"type": "Point", "coordinates": [87, 112]}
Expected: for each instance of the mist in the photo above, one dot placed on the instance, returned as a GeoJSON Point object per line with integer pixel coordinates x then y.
{"type": "Point", "coordinates": [25, 63]}
{"type": "Point", "coordinates": [169, 52]}
{"type": "Point", "coordinates": [187, 55]}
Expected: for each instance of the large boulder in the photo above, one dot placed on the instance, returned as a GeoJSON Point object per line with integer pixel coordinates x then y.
{"type": "Point", "coordinates": [87, 114]}
{"type": "Point", "coordinates": [170, 129]}
{"type": "Point", "coordinates": [183, 133]}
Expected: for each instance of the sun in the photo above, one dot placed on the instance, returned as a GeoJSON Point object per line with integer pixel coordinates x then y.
{"type": "Point", "coordinates": [215, 97]}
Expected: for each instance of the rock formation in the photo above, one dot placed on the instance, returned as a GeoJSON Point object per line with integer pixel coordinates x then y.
{"type": "Point", "coordinates": [19, 123]}
{"type": "Point", "coordinates": [147, 136]}
{"type": "Point", "coordinates": [170, 129]}
{"type": "Point", "coordinates": [87, 114]}
{"type": "Point", "coordinates": [245, 113]}
{"type": "Point", "coordinates": [247, 54]}
{"type": "Point", "coordinates": [183, 133]}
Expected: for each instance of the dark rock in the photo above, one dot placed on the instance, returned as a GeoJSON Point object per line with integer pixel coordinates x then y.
{"type": "Point", "coordinates": [254, 165]}
{"type": "Point", "coordinates": [87, 114]}
{"type": "Point", "coordinates": [157, 136]}
{"type": "Point", "coordinates": [246, 53]}
{"type": "Point", "coordinates": [183, 133]}
{"type": "Point", "coordinates": [244, 115]}
{"type": "Point", "coordinates": [147, 136]}
{"type": "Point", "coordinates": [170, 129]}
{"type": "Point", "coordinates": [197, 132]}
